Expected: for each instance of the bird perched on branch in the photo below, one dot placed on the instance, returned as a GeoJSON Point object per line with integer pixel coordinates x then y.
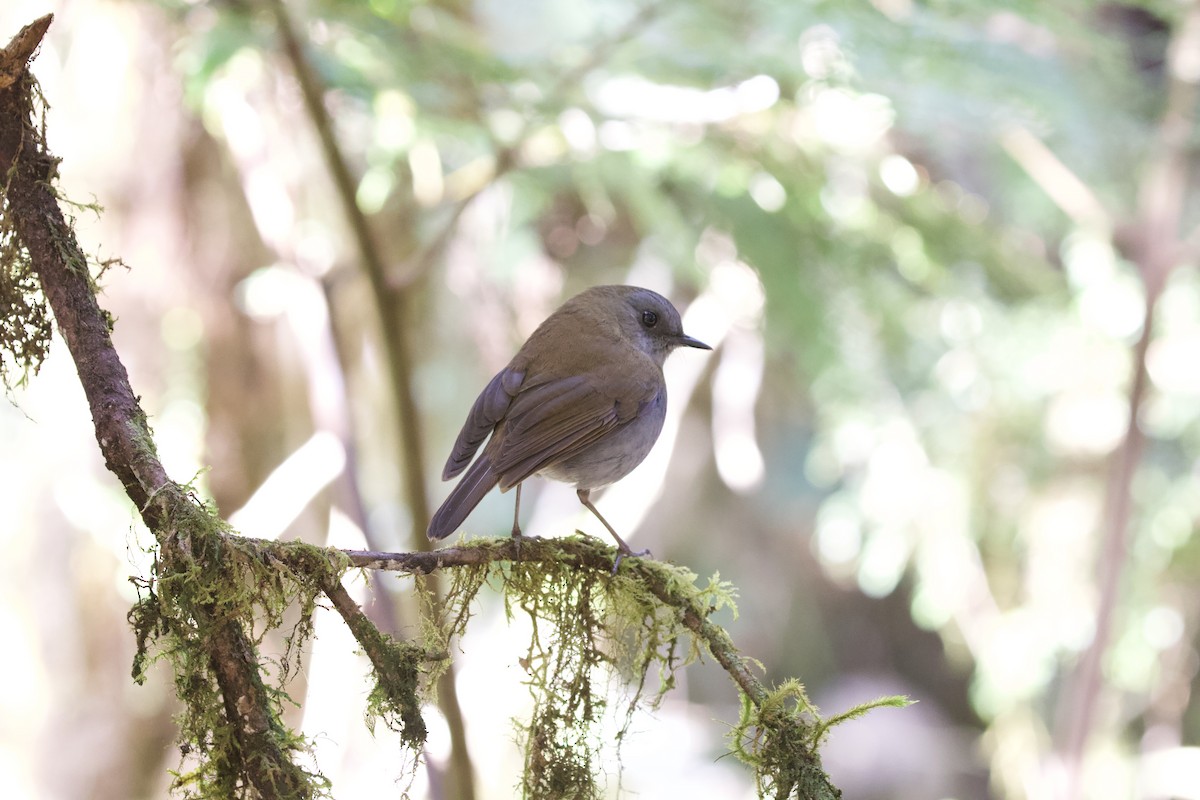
{"type": "Point", "coordinates": [582, 402]}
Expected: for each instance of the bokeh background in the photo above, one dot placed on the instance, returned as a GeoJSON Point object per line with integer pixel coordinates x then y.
{"type": "Point", "coordinates": [946, 252]}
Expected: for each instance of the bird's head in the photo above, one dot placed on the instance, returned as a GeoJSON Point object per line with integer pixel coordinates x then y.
{"type": "Point", "coordinates": [648, 320]}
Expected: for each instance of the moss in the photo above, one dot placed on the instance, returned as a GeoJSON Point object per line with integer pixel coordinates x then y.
{"type": "Point", "coordinates": [776, 738]}
{"type": "Point", "coordinates": [640, 625]}
{"type": "Point", "coordinates": [25, 320]}
{"type": "Point", "coordinates": [400, 681]}
{"type": "Point", "coordinates": [588, 627]}
{"type": "Point", "coordinates": [25, 326]}
{"type": "Point", "coordinates": [396, 697]}
{"type": "Point", "coordinates": [204, 578]}
{"type": "Point", "coordinates": [779, 738]}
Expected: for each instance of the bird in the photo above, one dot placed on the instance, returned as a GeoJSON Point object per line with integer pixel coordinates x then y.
{"type": "Point", "coordinates": [583, 401]}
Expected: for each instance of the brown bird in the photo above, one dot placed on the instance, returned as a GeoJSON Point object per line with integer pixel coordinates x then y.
{"type": "Point", "coordinates": [582, 402]}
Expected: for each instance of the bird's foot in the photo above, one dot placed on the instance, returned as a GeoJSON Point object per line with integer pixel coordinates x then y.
{"type": "Point", "coordinates": [517, 537]}
{"type": "Point", "coordinates": [627, 552]}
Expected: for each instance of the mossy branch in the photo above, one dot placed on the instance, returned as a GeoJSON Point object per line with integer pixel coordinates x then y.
{"type": "Point", "coordinates": [662, 580]}
{"type": "Point", "coordinates": [220, 680]}
{"type": "Point", "coordinates": [780, 730]}
{"type": "Point", "coordinates": [398, 670]}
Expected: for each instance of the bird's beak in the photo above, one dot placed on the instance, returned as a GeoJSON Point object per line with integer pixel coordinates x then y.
{"type": "Point", "coordinates": [684, 340]}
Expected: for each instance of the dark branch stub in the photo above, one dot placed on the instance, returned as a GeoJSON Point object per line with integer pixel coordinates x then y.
{"type": "Point", "coordinates": [15, 57]}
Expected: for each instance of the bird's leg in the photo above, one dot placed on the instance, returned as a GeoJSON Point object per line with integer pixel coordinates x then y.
{"type": "Point", "coordinates": [624, 549]}
{"type": "Point", "coordinates": [516, 531]}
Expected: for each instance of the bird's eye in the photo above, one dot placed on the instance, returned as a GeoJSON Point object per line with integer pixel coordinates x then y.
{"type": "Point", "coordinates": [649, 319]}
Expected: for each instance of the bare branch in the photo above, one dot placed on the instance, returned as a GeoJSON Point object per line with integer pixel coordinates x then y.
{"type": "Point", "coordinates": [15, 57]}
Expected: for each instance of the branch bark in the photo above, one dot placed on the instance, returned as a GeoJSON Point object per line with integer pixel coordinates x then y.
{"type": "Point", "coordinates": [17, 54]}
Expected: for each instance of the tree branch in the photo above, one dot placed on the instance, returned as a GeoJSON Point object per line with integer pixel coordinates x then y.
{"type": "Point", "coordinates": [783, 739]}
{"type": "Point", "coordinates": [396, 666]}
{"type": "Point", "coordinates": [17, 54]}
{"type": "Point", "coordinates": [583, 553]}
{"type": "Point", "coordinates": [121, 429]}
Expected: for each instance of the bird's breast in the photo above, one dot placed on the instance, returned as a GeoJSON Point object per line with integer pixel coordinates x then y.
{"type": "Point", "coordinates": [614, 455]}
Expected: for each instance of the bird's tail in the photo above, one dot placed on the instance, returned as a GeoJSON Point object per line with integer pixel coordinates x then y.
{"type": "Point", "coordinates": [478, 481]}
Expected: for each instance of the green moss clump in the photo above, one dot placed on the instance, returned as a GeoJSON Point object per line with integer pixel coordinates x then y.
{"type": "Point", "coordinates": [400, 681]}
{"type": "Point", "coordinates": [25, 326]}
{"type": "Point", "coordinates": [25, 320]}
{"type": "Point", "coordinates": [780, 736]}
{"type": "Point", "coordinates": [776, 738]}
{"type": "Point", "coordinates": [204, 578]}
{"type": "Point", "coordinates": [396, 697]}
{"type": "Point", "coordinates": [589, 626]}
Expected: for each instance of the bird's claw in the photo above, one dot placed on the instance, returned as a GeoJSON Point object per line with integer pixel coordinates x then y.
{"type": "Point", "coordinates": [517, 538]}
{"type": "Point", "coordinates": [631, 554]}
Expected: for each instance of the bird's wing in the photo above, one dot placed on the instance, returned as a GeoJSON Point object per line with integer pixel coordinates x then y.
{"type": "Point", "coordinates": [490, 407]}
{"type": "Point", "coordinates": [560, 418]}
